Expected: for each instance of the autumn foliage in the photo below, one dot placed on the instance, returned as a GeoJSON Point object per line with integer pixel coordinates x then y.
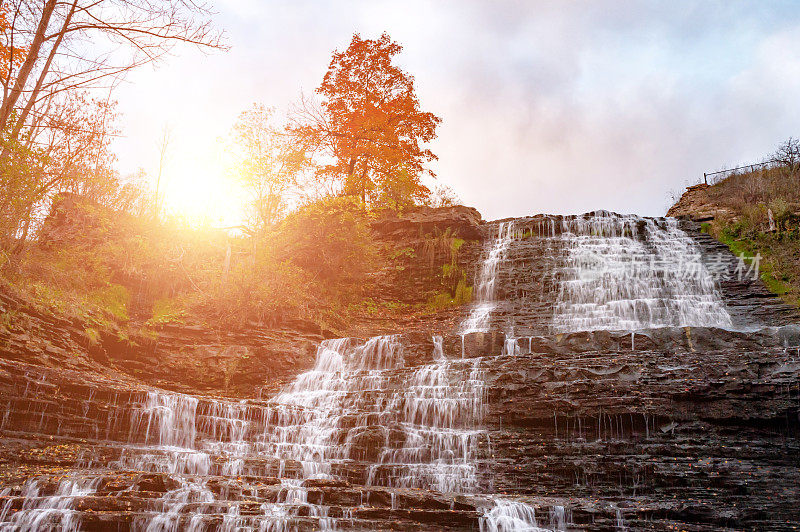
{"type": "Point", "coordinates": [59, 63]}
{"type": "Point", "coordinates": [369, 125]}
{"type": "Point", "coordinates": [11, 57]}
{"type": "Point", "coordinates": [304, 250]}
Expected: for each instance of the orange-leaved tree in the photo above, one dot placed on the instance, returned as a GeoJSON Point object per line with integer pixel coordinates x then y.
{"type": "Point", "coordinates": [368, 126]}
{"type": "Point", "coordinates": [12, 55]}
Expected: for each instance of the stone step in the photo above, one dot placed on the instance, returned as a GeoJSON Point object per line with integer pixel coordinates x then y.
{"type": "Point", "coordinates": [357, 508]}
{"type": "Point", "coordinates": [104, 521]}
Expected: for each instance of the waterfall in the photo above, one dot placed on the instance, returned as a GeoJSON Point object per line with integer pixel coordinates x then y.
{"type": "Point", "coordinates": [56, 511]}
{"type": "Point", "coordinates": [438, 348]}
{"type": "Point", "coordinates": [416, 427]}
{"type": "Point", "coordinates": [509, 516]}
{"type": "Point", "coordinates": [478, 320]}
{"type": "Point", "coordinates": [504, 515]}
{"type": "Point", "coordinates": [361, 415]}
{"type": "Point", "coordinates": [629, 273]}
{"type": "Point", "coordinates": [619, 520]}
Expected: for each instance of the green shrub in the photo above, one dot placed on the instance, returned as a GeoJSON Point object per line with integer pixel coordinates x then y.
{"type": "Point", "coordinates": [113, 299]}
{"type": "Point", "coordinates": [329, 239]}
{"type": "Point", "coordinates": [168, 310]}
{"type": "Point", "coordinates": [263, 293]}
{"type": "Point", "coordinates": [92, 334]}
{"type": "Point", "coordinates": [317, 261]}
{"type": "Point", "coordinates": [461, 295]}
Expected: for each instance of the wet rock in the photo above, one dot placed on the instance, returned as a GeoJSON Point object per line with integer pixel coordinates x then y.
{"type": "Point", "coordinates": [325, 483]}
{"type": "Point", "coordinates": [160, 483]}
{"type": "Point", "coordinates": [463, 221]}
{"type": "Point", "coordinates": [789, 335]}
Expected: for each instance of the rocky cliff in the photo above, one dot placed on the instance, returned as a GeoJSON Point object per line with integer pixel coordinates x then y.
{"type": "Point", "coordinates": [697, 204]}
{"type": "Point", "coordinates": [610, 389]}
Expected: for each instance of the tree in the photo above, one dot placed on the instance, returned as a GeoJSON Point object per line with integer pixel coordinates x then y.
{"type": "Point", "coordinates": [11, 57]}
{"type": "Point", "coordinates": [368, 124]}
{"type": "Point", "coordinates": [54, 55]}
{"type": "Point", "coordinates": [268, 164]}
{"type": "Point", "coordinates": [788, 154]}
{"type": "Point", "coordinates": [163, 147]}
{"type": "Point", "coordinates": [71, 154]}
{"type": "Point", "coordinates": [63, 45]}
{"type": "Point", "coordinates": [331, 240]}
{"type": "Point", "coordinates": [444, 196]}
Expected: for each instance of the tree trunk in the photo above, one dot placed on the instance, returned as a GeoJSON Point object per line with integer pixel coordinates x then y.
{"type": "Point", "coordinates": [27, 66]}
{"type": "Point", "coordinates": [42, 75]}
{"type": "Point", "coordinates": [227, 267]}
{"type": "Point", "coordinates": [364, 185]}
{"type": "Point", "coordinates": [19, 247]}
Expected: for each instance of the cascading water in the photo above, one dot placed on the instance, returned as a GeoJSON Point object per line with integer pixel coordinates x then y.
{"type": "Point", "coordinates": [56, 511]}
{"type": "Point", "coordinates": [361, 416]}
{"type": "Point", "coordinates": [478, 319]}
{"type": "Point", "coordinates": [358, 414]}
{"type": "Point", "coordinates": [510, 516]}
{"type": "Point", "coordinates": [504, 515]}
{"type": "Point", "coordinates": [618, 273]}
{"type": "Point", "coordinates": [629, 273]}
{"type": "Point", "coordinates": [399, 428]}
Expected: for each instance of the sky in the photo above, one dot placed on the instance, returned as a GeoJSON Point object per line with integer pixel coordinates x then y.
{"type": "Point", "coordinates": [547, 107]}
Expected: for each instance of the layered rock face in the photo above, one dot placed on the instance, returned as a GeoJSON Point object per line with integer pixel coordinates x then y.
{"type": "Point", "coordinates": [696, 204]}
{"type": "Point", "coordinates": [605, 378]}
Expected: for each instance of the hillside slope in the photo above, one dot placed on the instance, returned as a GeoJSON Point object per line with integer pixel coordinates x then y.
{"type": "Point", "coordinates": [756, 218]}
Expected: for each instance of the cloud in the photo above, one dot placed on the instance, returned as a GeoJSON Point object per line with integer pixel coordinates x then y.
{"type": "Point", "coordinates": [546, 106]}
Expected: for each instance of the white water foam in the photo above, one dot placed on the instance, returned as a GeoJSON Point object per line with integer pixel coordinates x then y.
{"type": "Point", "coordinates": [630, 273]}
{"type": "Point", "coordinates": [479, 317]}
{"type": "Point", "coordinates": [54, 512]}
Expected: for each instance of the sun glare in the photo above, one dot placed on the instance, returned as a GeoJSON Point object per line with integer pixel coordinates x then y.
{"type": "Point", "coordinates": [198, 185]}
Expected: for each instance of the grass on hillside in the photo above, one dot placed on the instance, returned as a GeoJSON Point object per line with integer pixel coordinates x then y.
{"type": "Point", "coordinates": [750, 198]}
{"type": "Point", "coordinates": [320, 265]}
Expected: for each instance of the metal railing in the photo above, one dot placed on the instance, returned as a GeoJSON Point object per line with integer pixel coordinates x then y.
{"type": "Point", "coordinates": [730, 171]}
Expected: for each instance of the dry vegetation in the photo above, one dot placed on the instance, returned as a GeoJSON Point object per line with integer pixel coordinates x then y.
{"type": "Point", "coordinates": [110, 269]}
{"type": "Point", "coordinates": [77, 237]}
{"type": "Point", "coordinates": [763, 217]}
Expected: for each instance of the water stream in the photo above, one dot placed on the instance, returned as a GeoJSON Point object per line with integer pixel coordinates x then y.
{"type": "Point", "coordinates": [360, 415]}
{"type": "Point", "coordinates": [628, 273]}
{"type": "Point", "coordinates": [486, 286]}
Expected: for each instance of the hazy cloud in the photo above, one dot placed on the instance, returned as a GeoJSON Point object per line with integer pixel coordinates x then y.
{"type": "Point", "coordinates": [547, 106]}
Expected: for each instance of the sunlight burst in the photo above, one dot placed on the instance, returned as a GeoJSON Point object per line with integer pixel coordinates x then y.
{"type": "Point", "coordinates": [197, 182]}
